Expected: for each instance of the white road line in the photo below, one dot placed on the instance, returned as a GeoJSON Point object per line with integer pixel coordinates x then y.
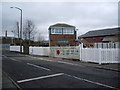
{"type": "Point", "coordinates": [67, 63]}
{"type": "Point", "coordinates": [42, 77]}
{"type": "Point", "coordinates": [39, 67]}
{"type": "Point", "coordinates": [15, 60]}
{"type": "Point", "coordinates": [4, 56]}
{"type": "Point", "coordinates": [93, 82]}
{"type": "Point", "coordinates": [11, 58]}
{"type": "Point", "coordinates": [57, 61]}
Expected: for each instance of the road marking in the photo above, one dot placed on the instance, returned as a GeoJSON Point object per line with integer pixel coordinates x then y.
{"type": "Point", "coordinates": [93, 82]}
{"type": "Point", "coordinates": [39, 66]}
{"type": "Point", "coordinates": [56, 61]}
{"type": "Point", "coordinates": [11, 58]}
{"type": "Point", "coordinates": [15, 60]}
{"type": "Point", "coordinates": [42, 77]}
{"type": "Point", "coordinates": [67, 63]}
{"type": "Point", "coordinates": [4, 56]}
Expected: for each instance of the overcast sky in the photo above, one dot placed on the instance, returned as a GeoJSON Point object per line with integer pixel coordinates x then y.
{"type": "Point", "coordinates": [85, 16]}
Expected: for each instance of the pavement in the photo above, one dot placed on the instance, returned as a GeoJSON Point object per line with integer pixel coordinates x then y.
{"type": "Point", "coordinates": [7, 82]}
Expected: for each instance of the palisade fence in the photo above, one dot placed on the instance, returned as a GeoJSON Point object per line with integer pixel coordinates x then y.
{"type": "Point", "coordinates": [107, 45]}
{"type": "Point", "coordinates": [43, 51]}
{"type": "Point", "coordinates": [100, 55]}
{"type": "Point", "coordinates": [96, 55]}
{"type": "Point", "coordinates": [15, 48]}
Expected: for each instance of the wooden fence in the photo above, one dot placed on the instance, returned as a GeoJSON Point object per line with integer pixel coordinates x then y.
{"type": "Point", "coordinates": [100, 56]}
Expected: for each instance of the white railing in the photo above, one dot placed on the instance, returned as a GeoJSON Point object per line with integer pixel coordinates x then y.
{"type": "Point", "coordinates": [15, 48]}
{"type": "Point", "coordinates": [107, 45]}
{"type": "Point", "coordinates": [39, 51]}
{"type": "Point", "coordinates": [110, 55]}
{"type": "Point", "coordinates": [88, 54]}
{"type": "Point", "coordinates": [97, 55]}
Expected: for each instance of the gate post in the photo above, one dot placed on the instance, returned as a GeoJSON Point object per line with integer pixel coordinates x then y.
{"type": "Point", "coordinates": [99, 55]}
{"type": "Point", "coordinates": [80, 51]}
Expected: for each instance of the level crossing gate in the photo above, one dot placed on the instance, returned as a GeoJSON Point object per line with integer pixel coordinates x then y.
{"type": "Point", "coordinates": [65, 52]}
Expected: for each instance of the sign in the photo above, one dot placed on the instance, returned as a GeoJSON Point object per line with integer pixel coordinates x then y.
{"type": "Point", "coordinates": [62, 41]}
{"type": "Point", "coordinates": [58, 52]}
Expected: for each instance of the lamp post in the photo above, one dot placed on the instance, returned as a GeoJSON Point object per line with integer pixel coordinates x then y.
{"type": "Point", "coordinates": [20, 28]}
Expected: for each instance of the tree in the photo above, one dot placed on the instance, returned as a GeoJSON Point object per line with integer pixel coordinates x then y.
{"type": "Point", "coordinates": [29, 30]}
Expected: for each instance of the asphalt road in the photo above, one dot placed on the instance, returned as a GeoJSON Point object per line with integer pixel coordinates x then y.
{"type": "Point", "coordinates": [34, 72]}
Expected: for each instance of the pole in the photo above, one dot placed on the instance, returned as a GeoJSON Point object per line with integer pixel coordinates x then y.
{"type": "Point", "coordinates": [20, 28]}
{"type": "Point", "coordinates": [21, 31]}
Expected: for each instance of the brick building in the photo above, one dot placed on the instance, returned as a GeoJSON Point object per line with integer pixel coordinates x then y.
{"type": "Point", "coordinates": [62, 35]}
{"type": "Point", "coordinates": [101, 36]}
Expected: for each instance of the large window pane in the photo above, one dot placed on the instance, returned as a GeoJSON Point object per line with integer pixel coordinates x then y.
{"type": "Point", "coordinates": [56, 31]}
{"type": "Point", "coordinates": [68, 31]}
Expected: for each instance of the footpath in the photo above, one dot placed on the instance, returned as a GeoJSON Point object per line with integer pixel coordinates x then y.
{"type": "Point", "coordinates": [8, 83]}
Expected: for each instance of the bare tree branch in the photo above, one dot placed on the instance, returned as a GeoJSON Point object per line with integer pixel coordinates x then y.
{"type": "Point", "coordinates": [29, 30]}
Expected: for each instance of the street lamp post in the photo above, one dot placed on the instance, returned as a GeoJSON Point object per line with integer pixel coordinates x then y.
{"type": "Point", "coordinates": [20, 28]}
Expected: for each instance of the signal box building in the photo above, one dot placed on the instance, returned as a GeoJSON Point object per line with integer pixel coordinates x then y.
{"type": "Point", "coordinates": [62, 35]}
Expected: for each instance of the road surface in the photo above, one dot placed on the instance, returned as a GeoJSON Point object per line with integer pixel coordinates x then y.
{"type": "Point", "coordinates": [35, 72]}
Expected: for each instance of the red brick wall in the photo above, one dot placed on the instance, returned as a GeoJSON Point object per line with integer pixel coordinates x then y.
{"type": "Point", "coordinates": [93, 39]}
{"type": "Point", "coordinates": [7, 41]}
{"type": "Point", "coordinates": [54, 40]}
